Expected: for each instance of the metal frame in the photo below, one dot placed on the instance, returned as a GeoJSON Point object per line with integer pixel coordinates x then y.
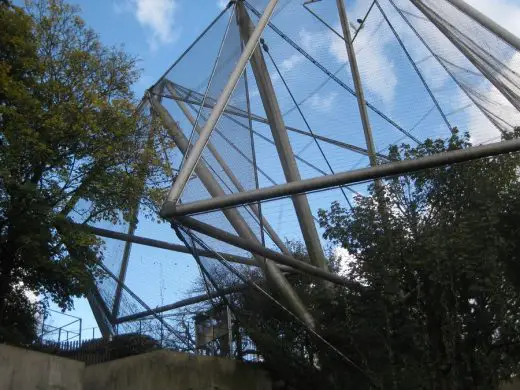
{"type": "Point", "coordinates": [272, 263]}
{"type": "Point", "coordinates": [196, 152]}
{"type": "Point", "coordinates": [281, 139]}
{"type": "Point", "coordinates": [233, 216]}
{"type": "Point", "coordinates": [349, 177]}
{"type": "Point", "coordinates": [488, 23]}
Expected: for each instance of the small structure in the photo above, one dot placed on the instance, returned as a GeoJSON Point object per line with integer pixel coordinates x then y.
{"type": "Point", "coordinates": [213, 332]}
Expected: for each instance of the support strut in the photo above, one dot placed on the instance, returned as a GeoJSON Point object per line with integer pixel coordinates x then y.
{"type": "Point", "coordinates": [234, 217]}
{"type": "Point", "coordinates": [281, 139]}
{"type": "Point", "coordinates": [196, 152]}
{"type": "Point", "coordinates": [349, 177]}
{"type": "Point", "coordinates": [254, 208]}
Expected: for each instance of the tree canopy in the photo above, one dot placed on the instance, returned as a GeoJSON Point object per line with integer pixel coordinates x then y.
{"type": "Point", "coordinates": [434, 300]}
{"type": "Point", "coordinates": [69, 147]}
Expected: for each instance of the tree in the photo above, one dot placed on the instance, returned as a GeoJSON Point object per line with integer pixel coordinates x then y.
{"type": "Point", "coordinates": [437, 265]}
{"type": "Point", "coordinates": [434, 298]}
{"type": "Point", "coordinates": [70, 147]}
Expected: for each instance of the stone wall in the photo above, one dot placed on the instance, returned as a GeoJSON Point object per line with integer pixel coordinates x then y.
{"type": "Point", "coordinates": [172, 370]}
{"type": "Point", "coordinates": [514, 384]}
{"type": "Point", "coordinates": [22, 369]}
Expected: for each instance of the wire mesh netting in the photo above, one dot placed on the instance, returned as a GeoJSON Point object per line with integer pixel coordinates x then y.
{"type": "Point", "coordinates": [227, 165]}
{"type": "Point", "coordinates": [410, 91]}
{"type": "Point", "coordinates": [419, 82]}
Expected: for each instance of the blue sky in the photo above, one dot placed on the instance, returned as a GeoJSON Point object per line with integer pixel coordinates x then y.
{"type": "Point", "coordinates": [158, 31]}
{"type": "Point", "coordinates": [155, 31]}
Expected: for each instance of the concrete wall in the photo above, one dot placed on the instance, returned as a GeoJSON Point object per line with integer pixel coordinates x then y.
{"type": "Point", "coordinates": [175, 371]}
{"type": "Point", "coordinates": [513, 385]}
{"type": "Point", "coordinates": [21, 369]}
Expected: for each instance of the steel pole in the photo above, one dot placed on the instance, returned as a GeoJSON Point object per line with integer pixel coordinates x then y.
{"type": "Point", "coordinates": [260, 250]}
{"type": "Point", "coordinates": [101, 314]}
{"type": "Point", "coordinates": [180, 304]}
{"type": "Point", "coordinates": [254, 208]}
{"type": "Point", "coordinates": [233, 216]}
{"type": "Point", "coordinates": [232, 111]}
{"type": "Point", "coordinates": [196, 152]}
{"type": "Point", "coordinates": [281, 139]}
{"type": "Point", "coordinates": [486, 22]}
{"type": "Point", "coordinates": [142, 173]}
{"type": "Point", "coordinates": [358, 85]}
{"type": "Point", "coordinates": [350, 177]}
{"type": "Point", "coordinates": [162, 244]}
{"type": "Point", "coordinates": [433, 18]}
{"type": "Point", "coordinates": [172, 247]}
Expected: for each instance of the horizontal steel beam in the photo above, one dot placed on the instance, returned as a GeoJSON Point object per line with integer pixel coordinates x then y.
{"type": "Point", "coordinates": [172, 247]}
{"type": "Point", "coordinates": [487, 22]}
{"type": "Point", "coordinates": [180, 304]}
{"type": "Point", "coordinates": [260, 250]}
{"type": "Point", "coordinates": [350, 177]}
{"type": "Point", "coordinates": [196, 150]}
{"type": "Point", "coordinates": [161, 244]}
{"type": "Point", "coordinates": [235, 111]}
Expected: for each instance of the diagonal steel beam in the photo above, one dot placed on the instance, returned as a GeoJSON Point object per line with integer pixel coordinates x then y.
{"type": "Point", "coordinates": [350, 177]}
{"type": "Point", "coordinates": [180, 304]}
{"type": "Point", "coordinates": [101, 313]}
{"type": "Point", "coordinates": [193, 158]}
{"type": "Point", "coordinates": [281, 139]}
{"type": "Point", "coordinates": [236, 182]}
{"type": "Point", "coordinates": [232, 215]}
{"type": "Point", "coordinates": [260, 250]}
{"type": "Point", "coordinates": [169, 246]}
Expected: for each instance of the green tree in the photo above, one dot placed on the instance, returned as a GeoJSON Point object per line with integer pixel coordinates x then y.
{"type": "Point", "coordinates": [444, 300]}
{"type": "Point", "coordinates": [69, 147]}
{"type": "Point", "coordinates": [434, 298]}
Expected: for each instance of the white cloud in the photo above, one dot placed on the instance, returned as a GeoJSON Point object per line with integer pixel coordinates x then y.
{"type": "Point", "coordinates": [286, 66]}
{"type": "Point", "coordinates": [377, 71]}
{"type": "Point", "coordinates": [291, 62]}
{"type": "Point", "coordinates": [314, 41]}
{"type": "Point", "coordinates": [504, 12]}
{"type": "Point", "coordinates": [322, 103]}
{"type": "Point", "coordinates": [222, 3]}
{"type": "Point", "coordinates": [157, 16]}
{"type": "Point", "coordinates": [376, 68]}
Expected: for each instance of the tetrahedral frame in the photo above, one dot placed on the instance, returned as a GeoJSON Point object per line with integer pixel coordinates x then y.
{"type": "Point", "coordinates": [217, 203]}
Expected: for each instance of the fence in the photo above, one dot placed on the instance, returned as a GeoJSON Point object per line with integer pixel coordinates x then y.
{"type": "Point", "coordinates": [97, 351]}
{"type": "Point", "coordinates": [100, 350]}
